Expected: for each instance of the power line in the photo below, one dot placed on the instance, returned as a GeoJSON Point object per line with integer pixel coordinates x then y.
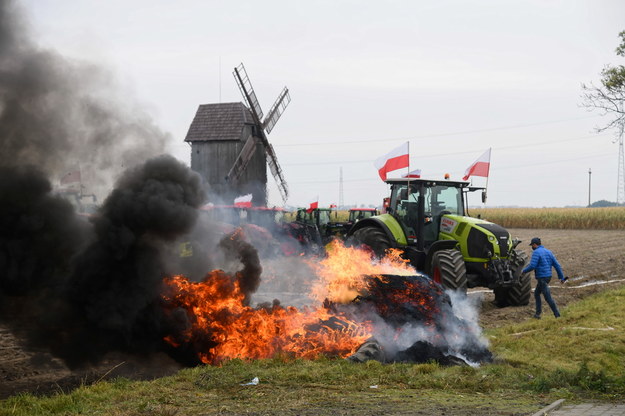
{"type": "Point", "coordinates": [427, 136]}
{"type": "Point", "coordinates": [422, 156]}
{"type": "Point", "coordinates": [372, 179]}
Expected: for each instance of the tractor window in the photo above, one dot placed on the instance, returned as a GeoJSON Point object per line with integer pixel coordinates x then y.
{"type": "Point", "coordinates": [324, 217]}
{"type": "Point", "coordinates": [406, 208]}
{"type": "Point", "coordinates": [443, 198]}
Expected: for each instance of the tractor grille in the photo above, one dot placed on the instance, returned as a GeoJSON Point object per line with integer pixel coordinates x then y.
{"type": "Point", "coordinates": [502, 236]}
{"type": "Point", "coordinates": [477, 244]}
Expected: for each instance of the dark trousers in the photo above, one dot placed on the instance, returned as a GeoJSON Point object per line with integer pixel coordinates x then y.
{"type": "Point", "coordinates": [542, 287]}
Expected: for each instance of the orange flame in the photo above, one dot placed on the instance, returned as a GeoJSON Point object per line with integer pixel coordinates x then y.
{"type": "Point", "coordinates": [342, 273]}
{"type": "Point", "coordinates": [229, 329]}
{"type": "Point", "coordinates": [221, 326]}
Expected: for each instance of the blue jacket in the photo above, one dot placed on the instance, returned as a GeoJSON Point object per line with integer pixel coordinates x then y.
{"type": "Point", "coordinates": [542, 262]}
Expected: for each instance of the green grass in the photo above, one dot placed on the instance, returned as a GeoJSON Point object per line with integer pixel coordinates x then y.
{"type": "Point", "coordinates": [537, 362]}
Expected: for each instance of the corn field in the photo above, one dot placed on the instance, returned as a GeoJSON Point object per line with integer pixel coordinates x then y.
{"type": "Point", "coordinates": [609, 218]}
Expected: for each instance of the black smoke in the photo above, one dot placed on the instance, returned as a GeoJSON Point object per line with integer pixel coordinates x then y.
{"type": "Point", "coordinates": [77, 286]}
{"type": "Point", "coordinates": [85, 288]}
{"type": "Point", "coordinates": [39, 233]}
{"type": "Point", "coordinates": [57, 112]}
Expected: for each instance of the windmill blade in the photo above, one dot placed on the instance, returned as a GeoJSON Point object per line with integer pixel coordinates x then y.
{"type": "Point", "coordinates": [276, 110]}
{"type": "Point", "coordinates": [243, 81]}
{"type": "Point", "coordinates": [242, 160]}
{"type": "Point", "coordinates": [276, 171]}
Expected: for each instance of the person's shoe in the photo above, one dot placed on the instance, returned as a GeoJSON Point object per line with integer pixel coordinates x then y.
{"type": "Point", "coordinates": [536, 316]}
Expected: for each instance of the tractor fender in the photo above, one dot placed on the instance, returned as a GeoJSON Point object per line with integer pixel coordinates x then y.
{"type": "Point", "coordinates": [437, 246]}
{"type": "Point", "coordinates": [385, 222]}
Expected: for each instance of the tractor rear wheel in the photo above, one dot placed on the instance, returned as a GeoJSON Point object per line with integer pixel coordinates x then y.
{"type": "Point", "coordinates": [449, 270]}
{"type": "Point", "coordinates": [518, 295]}
{"type": "Point", "coordinates": [373, 238]}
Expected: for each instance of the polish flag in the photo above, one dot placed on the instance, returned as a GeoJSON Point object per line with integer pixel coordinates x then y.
{"type": "Point", "coordinates": [480, 167]}
{"type": "Point", "coordinates": [396, 159]}
{"type": "Point", "coordinates": [243, 201]}
{"type": "Point", "coordinates": [313, 205]}
{"type": "Point", "coordinates": [413, 174]}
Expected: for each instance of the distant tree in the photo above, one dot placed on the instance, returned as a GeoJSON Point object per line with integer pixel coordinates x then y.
{"type": "Point", "coordinates": [603, 203]}
{"type": "Point", "coordinates": [610, 97]}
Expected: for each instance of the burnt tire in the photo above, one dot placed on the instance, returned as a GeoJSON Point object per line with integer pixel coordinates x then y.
{"type": "Point", "coordinates": [518, 295]}
{"type": "Point", "coordinates": [449, 270]}
{"type": "Point", "coordinates": [373, 238]}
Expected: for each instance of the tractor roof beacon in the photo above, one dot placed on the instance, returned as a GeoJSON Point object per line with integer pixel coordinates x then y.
{"type": "Point", "coordinates": [428, 220]}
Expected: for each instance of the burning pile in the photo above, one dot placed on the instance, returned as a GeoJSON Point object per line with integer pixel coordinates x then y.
{"type": "Point", "coordinates": [362, 307]}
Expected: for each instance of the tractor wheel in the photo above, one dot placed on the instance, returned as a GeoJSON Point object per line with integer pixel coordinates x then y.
{"type": "Point", "coordinates": [520, 294]}
{"type": "Point", "coordinates": [373, 238]}
{"type": "Point", "coordinates": [449, 270]}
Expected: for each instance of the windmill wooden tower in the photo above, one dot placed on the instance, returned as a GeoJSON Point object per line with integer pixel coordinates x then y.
{"type": "Point", "coordinates": [229, 145]}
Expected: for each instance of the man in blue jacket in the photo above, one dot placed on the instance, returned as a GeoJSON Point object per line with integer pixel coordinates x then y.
{"type": "Point", "coordinates": [542, 262]}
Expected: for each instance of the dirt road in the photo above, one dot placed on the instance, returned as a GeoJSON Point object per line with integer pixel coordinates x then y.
{"type": "Point", "coordinates": [594, 261]}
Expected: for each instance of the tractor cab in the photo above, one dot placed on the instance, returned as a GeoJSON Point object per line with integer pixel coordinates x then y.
{"type": "Point", "coordinates": [419, 205]}
{"type": "Point", "coordinates": [315, 228]}
{"type": "Point", "coordinates": [357, 214]}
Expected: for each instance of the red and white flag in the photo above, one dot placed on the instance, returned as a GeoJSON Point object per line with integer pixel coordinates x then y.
{"type": "Point", "coordinates": [398, 158]}
{"type": "Point", "coordinates": [313, 205]}
{"type": "Point", "coordinates": [413, 174]}
{"type": "Point", "coordinates": [480, 167]}
{"type": "Point", "coordinates": [243, 201]}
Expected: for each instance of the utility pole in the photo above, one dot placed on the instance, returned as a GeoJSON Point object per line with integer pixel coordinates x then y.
{"type": "Point", "coordinates": [589, 183]}
{"type": "Point", "coordinates": [620, 191]}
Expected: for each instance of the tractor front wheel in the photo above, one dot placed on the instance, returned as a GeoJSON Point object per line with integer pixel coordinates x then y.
{"type": "Point", "coordinates": [519, 294]}
{"type": "Point", "coordinates": [449, 270]}
{"type": "Point", "coordinates": [373, 238]}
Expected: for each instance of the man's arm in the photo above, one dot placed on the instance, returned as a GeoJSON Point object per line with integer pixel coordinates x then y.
{"type": "Point", "coordinates": [532, 265]}
{"type": "Point", "coordinates": [556, 265]}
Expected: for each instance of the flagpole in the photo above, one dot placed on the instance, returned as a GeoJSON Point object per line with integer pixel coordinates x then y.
{"type": "Point", "coordinates": [488, 176]}
{"type": "Point", "coordinates": [408, 171]}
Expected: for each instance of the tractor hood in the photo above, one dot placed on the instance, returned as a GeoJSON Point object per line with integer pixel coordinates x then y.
{"type": "Point", "coordinates": [479, 239]}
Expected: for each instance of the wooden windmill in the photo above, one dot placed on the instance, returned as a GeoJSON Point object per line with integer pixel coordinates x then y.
{"type": "Point", "coordinates": [258, 136]}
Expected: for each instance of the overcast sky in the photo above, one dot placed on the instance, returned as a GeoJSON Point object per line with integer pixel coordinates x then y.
{"type": "Point", "coordinates": [453, 78]}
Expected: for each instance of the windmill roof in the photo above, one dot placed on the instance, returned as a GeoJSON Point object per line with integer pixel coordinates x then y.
{"type": "Point", "coordinates": [222, 121]}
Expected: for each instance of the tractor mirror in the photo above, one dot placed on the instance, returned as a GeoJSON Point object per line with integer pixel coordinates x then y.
{"type": "Point", "coordinates": [484, 196]}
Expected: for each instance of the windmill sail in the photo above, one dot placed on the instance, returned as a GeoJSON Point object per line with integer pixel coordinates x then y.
{"type": "Point", "coordinates": [243, 81]}
{"type": "Point", "coordinates": [276, 110]}
{"type": "Point", "coordinates": [243, 159]}
{"type": "Point", "coordinates": [276, 171]}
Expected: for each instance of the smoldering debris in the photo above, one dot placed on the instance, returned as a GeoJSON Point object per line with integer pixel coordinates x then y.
{"type": "Point", "coordinates": [415, 320]}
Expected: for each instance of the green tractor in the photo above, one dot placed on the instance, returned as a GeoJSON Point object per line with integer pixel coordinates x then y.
{"type": "Point", "coordinates": [314, 228]}
{"type": "Point", "coordinates": [427, 219]}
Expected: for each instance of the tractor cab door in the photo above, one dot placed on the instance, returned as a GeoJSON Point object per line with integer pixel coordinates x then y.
{"type": "Point", "coordinates": [440, 200]}
{"type": "Point", "coordinates": [404, 206]}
